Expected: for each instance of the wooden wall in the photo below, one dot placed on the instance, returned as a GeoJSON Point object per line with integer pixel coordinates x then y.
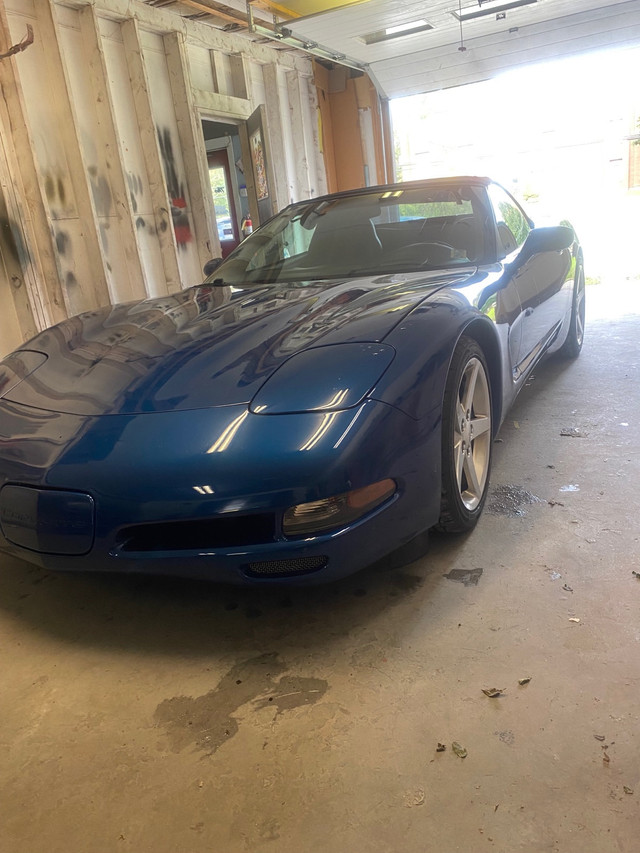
{"type": "Point", "coordinates": [355, 129]}
{"type": "Point", "coordinates": [104, 190]}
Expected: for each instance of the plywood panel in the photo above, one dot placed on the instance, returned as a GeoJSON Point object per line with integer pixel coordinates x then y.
{"type": "Point", "coordinates": [148, 224]}
{"type": "Point", "coordinates": [173, 161]}
{"type": "Point", "coordinates": [79, 260]}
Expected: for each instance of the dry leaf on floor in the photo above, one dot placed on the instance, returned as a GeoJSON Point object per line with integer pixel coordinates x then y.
{"type": "Point", "coordinates": [523, 681]}
{"type": "Point", "coordinates": [441, 747]}
{"type": "Point", "coordinates": [627, 789]}
{"type": "Point", "coordinates": [599, 737]}
{"type": "Point", "coordinates": [493, 692]}
{"type": "Point", "coordinates": [459, 750]}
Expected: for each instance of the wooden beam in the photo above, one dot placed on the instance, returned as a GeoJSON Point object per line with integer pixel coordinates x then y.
{"type": "Point", "coordinates": [158, 20]}
{"type": "Point", "coordinates": [151, 152]}
{"type": "Point", "coordinates": [239, 76]}
{"type": "Point", "coordinates": [193, 147]}
{"type": "Point", "coordinates": [298, 133]}
{"type": "Point", "coordinates": [219, 76]}
{"type": "Point", "coordinates": [136, 286]}
{"type": "Point", "coordinates": [274, 108]}
{"type": "Point", "coordinates": [25, 200]}
{"type": "Point", "coordinates": [218, 10]}
{"type": "Point", "coordinates": [86, 279]}
{"type": "Point", "coordinates": [221, 105]}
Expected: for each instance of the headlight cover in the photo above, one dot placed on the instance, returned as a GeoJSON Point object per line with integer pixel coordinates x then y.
{"type": "Point", "coordinates": [323, 379]}
{"type": "Point", "coordinates": [17, 366]}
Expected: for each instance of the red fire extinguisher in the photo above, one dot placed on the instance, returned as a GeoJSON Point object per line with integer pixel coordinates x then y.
{"type": "Point", "coordinates": [247, 227]}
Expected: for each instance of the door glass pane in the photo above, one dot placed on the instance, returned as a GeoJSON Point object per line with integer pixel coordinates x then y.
{"type": "Point", "coordinates": [221, 202]}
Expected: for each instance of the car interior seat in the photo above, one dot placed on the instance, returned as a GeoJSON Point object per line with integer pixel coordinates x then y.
{"type": "Point", "coordinates": [344, 243]}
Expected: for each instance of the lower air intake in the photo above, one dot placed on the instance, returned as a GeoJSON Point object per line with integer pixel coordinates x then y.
{"type": "Point", "coordinates": [283, 568]}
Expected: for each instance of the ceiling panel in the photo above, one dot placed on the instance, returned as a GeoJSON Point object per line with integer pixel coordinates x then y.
{"type": "Point", "coordinates": [431, 60]}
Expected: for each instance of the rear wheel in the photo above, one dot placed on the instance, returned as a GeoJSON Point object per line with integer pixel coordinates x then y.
{"type": "Point", "coordinates": [466, 438]}
{"type": "Point", "coordinates": [573, 344]}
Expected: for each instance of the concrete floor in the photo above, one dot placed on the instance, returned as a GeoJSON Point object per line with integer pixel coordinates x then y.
{"type": "Point", "coordinates": [154, 715]}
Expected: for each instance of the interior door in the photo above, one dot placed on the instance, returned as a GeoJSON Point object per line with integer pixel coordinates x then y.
{"type": "Point", "coordinates": [260, 178]}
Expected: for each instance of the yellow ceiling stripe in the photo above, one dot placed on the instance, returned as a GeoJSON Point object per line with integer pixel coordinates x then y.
{"type": "Point", "coordinates": [304, 8]}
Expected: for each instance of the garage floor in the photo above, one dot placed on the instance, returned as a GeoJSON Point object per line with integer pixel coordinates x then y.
{"type": "Point", "coordinates": [154, 715]}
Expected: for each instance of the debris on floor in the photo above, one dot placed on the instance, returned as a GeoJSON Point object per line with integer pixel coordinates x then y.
{"type": "Point", "coordinates": [573, 619]}
{"type": "Point", "coordinates": [627, 789]}
{"type": "Point", "coordinates": [493, 692]}
{"type": "Point", "coordinates": [415, 798]}
{"type": "Point", "coordinates": [459, 750]}
{"type": "Point", "coordinates": [555, 503]}
{"type": "Point", "coordinates": [567, 588]}
{"type": "Point", "coordinates": [441, 747]}
{"type": "Point", "coordinates": [523, 681]}
{"type": "Point", "coordinates": [469, 577]}
{"type": "Point", "coordinates": [509, 500]}
{"type": "Point", "coordinates": [599, 737]}
{"type": "Point", "coordinates": [572, 487]}
{"type": "Point", "coordinates": [572, 432]}
{"type": "Point", "coordinates": [636, 574]}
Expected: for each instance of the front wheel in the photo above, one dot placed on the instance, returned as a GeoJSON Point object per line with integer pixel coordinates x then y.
{"type": "Point", "coordinates": [573, 344]}
{"type": "Point", "coordinates": [466, 439]}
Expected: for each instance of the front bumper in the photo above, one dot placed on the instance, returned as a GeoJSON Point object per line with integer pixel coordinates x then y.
{"type": "Point", "coordinates": [202, 493]}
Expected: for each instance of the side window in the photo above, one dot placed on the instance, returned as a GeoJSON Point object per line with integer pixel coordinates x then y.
{"type": "Point", "coordinates": [512, 227]}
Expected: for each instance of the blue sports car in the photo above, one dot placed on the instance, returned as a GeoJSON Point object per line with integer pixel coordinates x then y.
{"type": "Point", "coordinates": [330, 391]}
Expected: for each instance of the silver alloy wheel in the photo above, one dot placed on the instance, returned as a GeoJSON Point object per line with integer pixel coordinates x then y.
{"type": "Point", "coordinates": [580, 306]}
{"type": "Point", "coordinates": [472, 434]}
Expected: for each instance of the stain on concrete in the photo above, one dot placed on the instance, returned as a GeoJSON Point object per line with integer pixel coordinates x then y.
{"type": "Point", "coordinates": [469, 577]}
{"type": "Point", "coordinates": [406, 582]}
{"type": "Point", "coordinates": [509, 501]}
{"type": "Point", "coordinates": [295, 691]}
{"type": "Point", "coordinates": [207, 722]}
{"type": "Point", "coordinates": [507, 737]}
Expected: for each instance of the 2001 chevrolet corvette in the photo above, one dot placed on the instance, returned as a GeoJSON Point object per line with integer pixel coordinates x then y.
{"type": "Point", "coordinates": [330, 391]}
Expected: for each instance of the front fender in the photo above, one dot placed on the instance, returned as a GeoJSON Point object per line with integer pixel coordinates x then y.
{"type": "Point", "coordinates": [425, 342]}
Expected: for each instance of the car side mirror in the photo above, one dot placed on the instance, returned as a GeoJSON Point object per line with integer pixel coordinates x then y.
{"type": "Point", "coordinates": [552, 239]}
{"type": "Point", "coordinates": [211, 266]}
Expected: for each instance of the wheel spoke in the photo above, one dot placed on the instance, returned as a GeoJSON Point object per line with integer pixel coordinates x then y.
{"type": "Point", "coordinates": [472, 476]}
{"type": "Point", "coordinates": [458, 457]}
{"type": "Point", "coordinates": [481, 425]}
{"type": "Point", "coordinates": [470, 389]}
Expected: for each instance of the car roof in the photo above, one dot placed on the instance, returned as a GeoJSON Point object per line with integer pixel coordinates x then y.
{"type": "Point", "coordinates": [406, 185]}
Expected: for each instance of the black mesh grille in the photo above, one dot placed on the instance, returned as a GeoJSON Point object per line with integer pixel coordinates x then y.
{"type": "Point", "coordinates": [281, 568]}
{"type": "Point", "coordinates": [219, 532]}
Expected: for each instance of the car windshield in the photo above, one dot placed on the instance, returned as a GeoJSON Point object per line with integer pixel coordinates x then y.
{"type": "Point", "coordinates": [380, 232]}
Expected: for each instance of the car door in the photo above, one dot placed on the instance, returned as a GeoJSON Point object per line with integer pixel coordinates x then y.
{"type": "Point", "coordinates": [539, 278]}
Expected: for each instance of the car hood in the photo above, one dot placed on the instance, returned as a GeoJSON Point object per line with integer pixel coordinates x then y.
{"type": "Point", "coordinates": [209, 345]}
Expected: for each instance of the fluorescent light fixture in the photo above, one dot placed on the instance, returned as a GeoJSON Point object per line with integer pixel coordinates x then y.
{"type": "Point", "coordinates": [397, 31]}
{"type": "Point", "coordinates": [483, 8]}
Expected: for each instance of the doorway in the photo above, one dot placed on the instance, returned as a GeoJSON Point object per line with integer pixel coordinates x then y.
{"type": "Point", "coordinates": [227, 181]}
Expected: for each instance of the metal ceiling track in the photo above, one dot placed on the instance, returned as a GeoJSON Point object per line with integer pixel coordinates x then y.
{"type": "Point", "coordinates": [284, 36]}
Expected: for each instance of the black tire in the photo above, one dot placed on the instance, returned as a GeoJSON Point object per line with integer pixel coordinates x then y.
{"type": "Point", "coordinates": [573, 344]}
{"type": "Point", "coordinates": [466, 451]}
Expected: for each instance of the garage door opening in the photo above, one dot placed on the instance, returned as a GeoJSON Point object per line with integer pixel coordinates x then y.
{"type": "Point", "coordinates": [563, 137]}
